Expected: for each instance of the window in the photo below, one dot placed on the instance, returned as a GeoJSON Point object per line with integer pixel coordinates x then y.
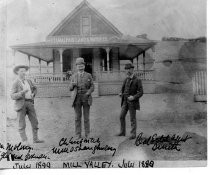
{"type": "Point", "coordinates": [85, 25]}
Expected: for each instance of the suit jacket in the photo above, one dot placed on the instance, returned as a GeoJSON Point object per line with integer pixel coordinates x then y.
{"type": "Point", "coordinates": [88, 83]}
{"type": "Point", "coordinates": [136, 90]}
{"type": "Point", "coordinates": [19, 97]}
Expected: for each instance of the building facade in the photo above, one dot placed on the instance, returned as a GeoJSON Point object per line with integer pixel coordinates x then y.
{"type": "Point", "coordinates": [87, 33]}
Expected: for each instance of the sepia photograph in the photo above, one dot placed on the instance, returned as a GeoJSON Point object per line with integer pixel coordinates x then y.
{"type": "Point", "coordinates": [103, 84]}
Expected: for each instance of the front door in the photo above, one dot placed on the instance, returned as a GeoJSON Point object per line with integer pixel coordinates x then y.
{"type": "Point", "coordinates": [67, 57]}
{"type": "Point", "coordinates": [87, 54]}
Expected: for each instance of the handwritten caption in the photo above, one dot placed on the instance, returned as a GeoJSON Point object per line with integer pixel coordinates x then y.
{"type": "Point", "coordinates": [70, 145]}
{"type": "Point", "coordinates": [86, 164]}
{"type": "Point", "coordinates": [16, 152]}
{"type": "Point", "coordinates": [12, 152]}
{"type": "Point", "coordinates": [110, 164]}
{"type": "Point", "coordinates": [163, 142]}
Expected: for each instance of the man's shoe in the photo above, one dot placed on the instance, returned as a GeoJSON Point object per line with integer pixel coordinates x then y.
{"type": "Point", "coordinates": [132, 137]}
{"type": "Point", "coordinates": [36, 138]}
{"type": "Point", "coordinates": [38, 141]}
{"type": "Point", "coordinates": [121, 134]}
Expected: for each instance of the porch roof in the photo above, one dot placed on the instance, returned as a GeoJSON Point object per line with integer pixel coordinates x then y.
{"type": "Point", "coordinates": [43, 50]}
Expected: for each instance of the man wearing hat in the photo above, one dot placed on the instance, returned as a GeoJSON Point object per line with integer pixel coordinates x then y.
{"type": "Point", "coordinates": [23, 92]}
{"type": "Point", "coordinates": [82, 87]}
{"type": "Point", "coordinates": [130, 93]}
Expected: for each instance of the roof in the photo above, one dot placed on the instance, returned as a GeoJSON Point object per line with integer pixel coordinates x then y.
{"type": "Point", "coordinates": [125, 40]}
{"type": "Point", "coordinates": [75, 11]}
{"type": "Point", "coordinates": [43, 50]}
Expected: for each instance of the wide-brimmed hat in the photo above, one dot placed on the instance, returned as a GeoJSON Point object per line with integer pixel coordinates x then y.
{"type": "Point", "coordinates": [129, 66]}
{"type": "Point", "coordinates": [80, 60]}
{"type": "Point", "coordinates": [16, 68]}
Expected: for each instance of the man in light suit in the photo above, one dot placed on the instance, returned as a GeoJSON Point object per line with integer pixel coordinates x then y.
{"type": "Point", "coordinates": [131, 91]}
{"type": "Point", "coordinates": [23, 92]}
{"type": "Point", "coordinates": [82, 87]}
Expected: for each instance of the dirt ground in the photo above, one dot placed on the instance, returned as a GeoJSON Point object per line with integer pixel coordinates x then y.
{"type": "Point", "coordinates": [160, 113]}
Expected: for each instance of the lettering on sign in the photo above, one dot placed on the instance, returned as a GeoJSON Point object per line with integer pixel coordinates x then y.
{"type": "Point", "coordinates": [78, 39]}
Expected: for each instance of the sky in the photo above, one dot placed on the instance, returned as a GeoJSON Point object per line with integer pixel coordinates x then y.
{"type": "Point", "coordinates": [30, 21]}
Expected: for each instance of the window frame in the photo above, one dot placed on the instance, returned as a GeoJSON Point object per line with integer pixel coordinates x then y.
{"type": "Point", "coordinates": [81, 25]}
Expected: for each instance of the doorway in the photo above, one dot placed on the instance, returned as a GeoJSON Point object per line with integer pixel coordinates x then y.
{"type": "Point", "coordinates": [87, 54]}
{"type": "Point", "coordinates": [67, 57]}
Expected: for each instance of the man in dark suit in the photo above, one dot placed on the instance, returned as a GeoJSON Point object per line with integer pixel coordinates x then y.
{"type": "Point", "coordinates": [131, 92]}
{"type": "Point", "coordinates": [82, 87]}
{"type": "Point", "coordinates": [23, 92]}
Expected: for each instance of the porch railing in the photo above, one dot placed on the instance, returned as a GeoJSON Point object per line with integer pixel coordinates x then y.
{"type": "Point", "coordinates": [105, 76]}
{"type": "Point", "coordinates": [48, 78]}
{"type": "Point", "coordinates": [102, 76]}
{"type": "Point", "coordinates": [145, 75]}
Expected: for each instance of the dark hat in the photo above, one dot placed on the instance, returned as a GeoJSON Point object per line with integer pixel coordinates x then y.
{"type": "Point", "coordinates": [16, 68]}
{"type": "Point", "coordinates": [80, 60]}
{"type": "Point", "coordinates": [129, 66]}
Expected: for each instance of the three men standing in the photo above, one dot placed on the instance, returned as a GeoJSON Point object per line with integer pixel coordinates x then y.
{"type": "Point", "coordinates": [23, 92]}
{"type": "Point", "coordinates": [131, 92]}
{"type": "Point", "coordinates": [82, 87]}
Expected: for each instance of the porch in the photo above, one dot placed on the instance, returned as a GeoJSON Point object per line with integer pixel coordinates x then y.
{"type": "Point", "coordinates": [106, 83]}
{"type": "Point", "coordinates": [100, 76]}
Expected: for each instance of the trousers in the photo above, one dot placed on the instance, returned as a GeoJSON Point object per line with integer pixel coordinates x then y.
{"type": "Point", "coordinates": [128, 106]}
{"type": "Point", "coordinates": [81, 102]}
{"type": "Point", "coordinates": [28, 109]}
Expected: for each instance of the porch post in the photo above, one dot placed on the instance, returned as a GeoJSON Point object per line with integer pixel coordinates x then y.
{"type": "Point", "coordinates": [61, 60]}
{"type": "Point", "coordinates": [47, 67]}
{"type": "Point", "coordinates": [29, 64]}
{"type": "Point", "coordinates": [137, 62]}
{"type": "Point", "coordinates": [13, 54]}
{"type": "Point", "coordinates": [144, 63]}
{"type": "Point", "coordinates": [103, 64]}
{"type": "Point", "coordinates": [132, 61]}
{"type": "Point", "coordinates": [53, 53]}
{"type": "Point", "coordinates": [40, 70]}
{"type": "Point", "coordinates": [107, 57]}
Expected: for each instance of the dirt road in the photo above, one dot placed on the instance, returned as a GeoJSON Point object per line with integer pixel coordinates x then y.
{"type": "Point", "coordinates": [162, 114]}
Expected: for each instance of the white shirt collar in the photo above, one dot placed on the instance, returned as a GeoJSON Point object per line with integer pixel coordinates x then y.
{"type": "Point", "coordinates": [131, 76]}
{"type": "Point", "coordinates": [81, 73]}
{"type": "Point", "coordinates": [21, 80]}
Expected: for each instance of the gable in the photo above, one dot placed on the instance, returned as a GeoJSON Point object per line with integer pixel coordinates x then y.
{"type": "Point", "coordinates": [85, 17]}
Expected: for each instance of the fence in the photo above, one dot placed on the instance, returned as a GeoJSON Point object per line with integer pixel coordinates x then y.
{"type": "Point", "coordinates": [199, 85]}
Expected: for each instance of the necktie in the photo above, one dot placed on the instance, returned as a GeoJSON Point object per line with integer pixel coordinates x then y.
{"type": "Point", "coordinates": [129, 79]}
{"type": "Point", "coordinates": [81, 75]}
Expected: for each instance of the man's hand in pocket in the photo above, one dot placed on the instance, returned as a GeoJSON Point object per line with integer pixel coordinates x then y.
{"type": "Point", "coordinates": [131, 98]}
